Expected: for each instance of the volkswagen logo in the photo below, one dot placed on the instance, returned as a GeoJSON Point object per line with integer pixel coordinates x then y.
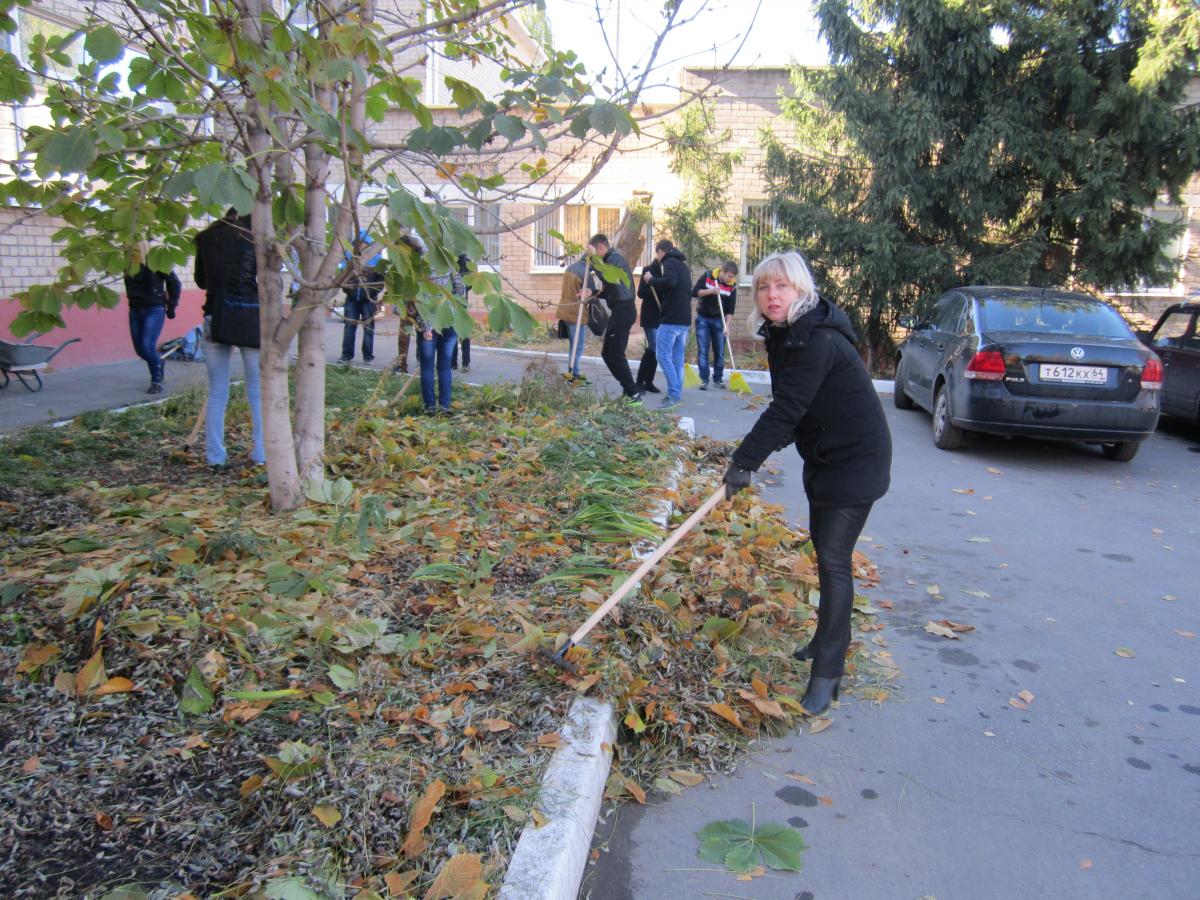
{"type": "Point", "coordinates": [1076, 353]}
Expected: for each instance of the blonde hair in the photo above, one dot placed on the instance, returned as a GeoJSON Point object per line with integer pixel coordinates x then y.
{"type": "Point", "coordinates": [792, 268]}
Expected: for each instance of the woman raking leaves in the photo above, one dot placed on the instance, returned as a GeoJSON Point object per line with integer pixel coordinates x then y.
{"type": "Point", "coordinates": [824, 402]}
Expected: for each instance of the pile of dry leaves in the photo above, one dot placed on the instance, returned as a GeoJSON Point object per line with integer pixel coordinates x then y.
{"type": "Point", "coordinates": [200, 697]}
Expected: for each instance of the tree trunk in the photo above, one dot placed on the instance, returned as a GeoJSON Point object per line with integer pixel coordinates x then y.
{"type": "Point", "coordinates": [310, 396]}
{"type": "Point", "coordinates": [282, 476]}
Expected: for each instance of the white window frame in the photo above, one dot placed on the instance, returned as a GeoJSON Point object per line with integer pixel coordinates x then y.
{"type": "Point", "coordinates": [745, 268]}
{"type": "Point", "coordinates": [553, 245]}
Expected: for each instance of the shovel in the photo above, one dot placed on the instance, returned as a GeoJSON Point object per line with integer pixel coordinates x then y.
{"type": "Point", "coordinates": [737, 382]}
{"type": "Point", "coordinates": [559, 657]}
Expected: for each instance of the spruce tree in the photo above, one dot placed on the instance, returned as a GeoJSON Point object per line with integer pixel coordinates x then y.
{"type": "Point", "coordinates": [973, 142]}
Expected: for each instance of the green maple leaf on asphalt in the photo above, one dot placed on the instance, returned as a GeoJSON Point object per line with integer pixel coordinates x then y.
{"type": "Point", "coordinates": [737, 845]}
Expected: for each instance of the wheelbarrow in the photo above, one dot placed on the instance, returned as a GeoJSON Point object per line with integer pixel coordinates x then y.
{"type": "Point", "coordinates": [25, 360]}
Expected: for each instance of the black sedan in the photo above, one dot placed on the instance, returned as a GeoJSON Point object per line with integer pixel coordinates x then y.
{"type": "Point", "coordinates": [1030, 361]}
{"type": "Point", "coordinates": [1176, 340]}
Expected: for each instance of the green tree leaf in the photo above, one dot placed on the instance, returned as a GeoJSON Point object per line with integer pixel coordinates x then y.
{"type": "Point", "coordinates": [224, 185]}
{"type": "Point", "coordinates": [104, 45]}
{"type": "Point", "coordinates": [68, 152]}
{"type": "Point", "coordinates": [737, 845]}
{"type": "Point", "coordinates": [196, 698]}
{"type": "Point", "coordinates": [346, 679]}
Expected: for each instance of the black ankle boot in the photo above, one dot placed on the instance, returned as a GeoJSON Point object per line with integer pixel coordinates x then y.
{"type": "Point", "coordinates": [819, 694]}
{"type": "Point", "coordinates": [804, 654]}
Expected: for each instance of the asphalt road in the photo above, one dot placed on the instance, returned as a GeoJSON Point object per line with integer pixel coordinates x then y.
{"type": "Point", "coordinates": [1091, 792]}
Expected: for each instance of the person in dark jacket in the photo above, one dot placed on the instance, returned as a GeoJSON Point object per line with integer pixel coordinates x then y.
{"type": "Point", "coordinates": [152, 297]}
{"type": "Point", "coordinates": [227, 271]}
{"type": "Point", "coordinates": [674, 290]}
{"type": "Point", "coordinates": [716, 295]}
{"type": "Point", "coordinates": [464, 268]}
{"type": "Point", "coordinates": [362, 290]}
{"type": "Point", "coordinates": [619, 297]}
{"type": "Point", "coordinates": [651, 318]}
{"type": "Point", "coordinates": [824, 402]}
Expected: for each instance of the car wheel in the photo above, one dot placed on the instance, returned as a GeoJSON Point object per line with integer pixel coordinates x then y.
{"type": "Point", "coordinates": [900, 399]}
{"type": "Point", "coordinates": [946, 435]}
{"type": "Point", "coordinates": [1121, 451]}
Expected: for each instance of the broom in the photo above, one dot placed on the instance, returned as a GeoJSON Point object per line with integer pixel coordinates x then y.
{"type": "Point", "coordinates": [737, 382]}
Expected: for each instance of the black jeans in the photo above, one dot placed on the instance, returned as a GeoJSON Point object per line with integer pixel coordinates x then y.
{"type": "Point", "coordinates": [465, 343]}
{"type": "Point", "coordinates": [834, 531]}
{"type": "Point", "coordinates": [616, 342]}
{"type": "Point", "coordinates": [649, 365]}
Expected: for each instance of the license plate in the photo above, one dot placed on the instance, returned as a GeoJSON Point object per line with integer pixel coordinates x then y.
{"type": "Point", "coordinates": [1073, 374]}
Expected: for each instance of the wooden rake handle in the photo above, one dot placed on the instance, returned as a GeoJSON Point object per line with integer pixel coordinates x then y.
{"type": "Point", "coordinates": [728, 340]}
{"type": "Point", "coordinates": [647, 564]}
{"type": "Point", "coordinates": [587, 280]}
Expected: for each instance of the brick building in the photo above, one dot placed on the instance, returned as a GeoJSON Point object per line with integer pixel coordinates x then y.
{"type": "Point", "coordinates": [744, 101]}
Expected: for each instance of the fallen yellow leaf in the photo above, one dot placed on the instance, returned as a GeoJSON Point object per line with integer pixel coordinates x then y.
{"type": "Point", "coordinates": [116, 685]}
{"type": "Point", "coordinates": [726, 712]}
{"type": "Point", "coordinates": [91, 675]}
{"type": "Point", "coordinates": [327, 815]}
{"type": "Point", "coordinates": [31, 765]}
{"type": "Point", "coordinates": [422, 812]}
{"type": "Point", "coordinates": [461, 878]}
{"type": "Point", "coordinates": [398, 882]}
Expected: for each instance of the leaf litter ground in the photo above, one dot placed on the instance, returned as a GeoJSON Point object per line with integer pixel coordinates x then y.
{"type": "Point", "coordinates": [200, 696]}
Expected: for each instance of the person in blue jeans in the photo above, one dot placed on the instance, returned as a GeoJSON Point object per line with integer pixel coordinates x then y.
{"type": "Point", "coordinates": [152, 298]}
{"type": "Point", "coordinates": [362, 291]}
{"type": "Point", "coordinates": [673, 288]}
{"type": "Point", "coordinates": [227, 270]}
{"type": "Point", "coordinates": [716, 295]}
{"type": "Point", "coordinates": [435, 350]}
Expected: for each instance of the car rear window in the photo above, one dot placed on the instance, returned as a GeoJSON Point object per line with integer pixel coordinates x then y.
{"type": "Point", "coordinates": [1051, 316]}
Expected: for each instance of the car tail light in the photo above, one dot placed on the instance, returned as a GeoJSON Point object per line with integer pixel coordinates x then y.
{"type": "Point", "coordinates": [986, 365]}
{"type": "Point", "coordinates": [1152, 375]}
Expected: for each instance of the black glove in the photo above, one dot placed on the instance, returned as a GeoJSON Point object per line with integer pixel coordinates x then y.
{"type": "Point", "coordinates": [170, 310]}
{"type": "Point", "coordinates": [735, 479]}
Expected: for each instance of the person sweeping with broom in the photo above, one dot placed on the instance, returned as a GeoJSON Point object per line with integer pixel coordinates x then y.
{"type": "Point", "coordinates": [824, 402]}
{"type": "Point", "coordinates": [716, 299]}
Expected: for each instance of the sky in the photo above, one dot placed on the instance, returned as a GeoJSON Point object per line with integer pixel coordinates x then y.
{"type": "Point", "coordinates": [722, 31]}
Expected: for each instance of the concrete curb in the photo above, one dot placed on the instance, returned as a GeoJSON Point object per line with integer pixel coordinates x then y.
{"type": "Point", "coordinates": [549, 862]}
{"type": "Point", "coordinates": [752, 376]}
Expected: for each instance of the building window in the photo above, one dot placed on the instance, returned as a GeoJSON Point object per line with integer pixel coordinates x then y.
{"type": "Point", "coordinates": [479, 216]}
{"type": "Point", "coordinates": [758, 225]}
{"type": "Point", "coordinates": [576, 222]}
{"type": "Point", "coordinates": [1176, 248]}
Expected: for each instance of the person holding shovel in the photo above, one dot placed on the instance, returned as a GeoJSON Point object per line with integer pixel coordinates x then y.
{"type": "Point", "coordinates": [716, 295]}
{"type": "Point", "coordinates": [823, 400]}
{"type": "Point", "coordinates": [572, 321]}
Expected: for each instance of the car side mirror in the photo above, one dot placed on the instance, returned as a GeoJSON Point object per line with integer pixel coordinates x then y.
{"type": "Point", "coordinates": [1143, 335]}
{"type": "Point", "coordinates": [908, 322]}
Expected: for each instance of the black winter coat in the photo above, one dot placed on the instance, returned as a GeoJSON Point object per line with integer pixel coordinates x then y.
{"type": "Point", "coordinates": [146, 289]}
{"type": "Point", "coordinates": [651, 311]}
{"type": "Point", "coordinates": [674, 288]}
{"type": "Point", "coordinates": [225, 262]}
{"type": "Point", "coordinates": [824, 401]}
